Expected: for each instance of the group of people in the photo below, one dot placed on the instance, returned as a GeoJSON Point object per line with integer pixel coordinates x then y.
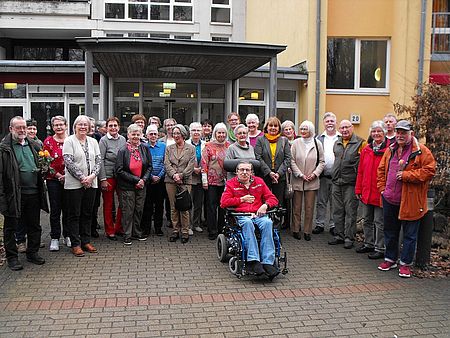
{"type": "Point", "coordinates": [158, 162]}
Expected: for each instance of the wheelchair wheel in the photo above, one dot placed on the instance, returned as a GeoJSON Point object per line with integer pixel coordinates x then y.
{"type": "Point", "coordinates": [222, 248]}
{"type": "Point", "coordinates": [233, 264]}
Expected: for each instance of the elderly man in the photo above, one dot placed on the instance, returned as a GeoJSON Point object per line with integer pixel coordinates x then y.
{"type": "Point", "coordinates": [249, 194]}
{"type": "Point", "coordinates": [328, 139]}
{"type": "Point", "coordinates": [404, 173]}
{"type": "Point", "coordinates": [345, 204]}
{"type": "Point", "coordinates": [21, 192]}
{"type": "Point", "coordinates": [390, 120]}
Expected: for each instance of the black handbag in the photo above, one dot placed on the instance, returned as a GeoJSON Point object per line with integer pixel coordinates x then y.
{"type": "Point", "coordinates": [183, 201]}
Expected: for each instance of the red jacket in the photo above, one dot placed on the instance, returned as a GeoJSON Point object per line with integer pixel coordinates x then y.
{"type": "Point", "coordinates": [420, 169]}
{"type": "Point", "coordinates": [234, 190]}
{"type": "Point", "coordinates": [366, 181]}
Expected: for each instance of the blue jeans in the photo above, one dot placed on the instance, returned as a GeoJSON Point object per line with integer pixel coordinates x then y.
{"type": "Point", "coordinates": [392, 226]}
{"type": "Point", "coordinates": [267, 246]}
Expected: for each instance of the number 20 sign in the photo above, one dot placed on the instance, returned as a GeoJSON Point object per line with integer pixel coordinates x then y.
{"type": "Point", "coordinates": [355, 118]}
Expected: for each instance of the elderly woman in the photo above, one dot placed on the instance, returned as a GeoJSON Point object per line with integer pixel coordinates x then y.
{"type": "Point", "coordinates": [214, 177]}
{"type": "Point", "coordinates": [274, 153]}
{"type": "Point", "coordinates": [168, 125]}
{"type": "Point", "coordinates": [241, 149]}
{"type": "Point", "coordinates": [252, 122]}
{"type": "Point", "coordinates": [288, 131]}
{"type": "Point", "coordinates": [197, 195]}
{"type": "Point", "coordinates": [233, 120]}
{"type": "Point", "coordinates": [366, 191]}
{"type": "Point", "coordinates": [133, 170]}
{"type": "Point", "coordinates": [179, 161]}
{"type": "Point", "coordinates": [55, 182]}
{"type": "Point", "coordinates": [307, 165]}
{"type": "Point", "coordinates": [109, 147]}
{"type": "Point", "coordinates": [82, 161]}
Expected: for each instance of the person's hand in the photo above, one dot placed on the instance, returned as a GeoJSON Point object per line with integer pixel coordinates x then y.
{"type": "Point", "coordinates": [399, 175]}
{"type": "Point", "coordinates": [274, 177]}
{"type": "Point", "coordinates": [205, 186]}
{"type": "Point", "coordinates": [358, 196]}
{"type": "Point", "coordinates": [105, 185]}
{"type": "Point", "coordinates": [197, 171]}
{"type": "Point", "coordinates": [87, 181]}
{"type": "Point", "coordinates": [61, 179]}
{"type": "Point", "coordinates": [248, 199]}
{"type": "Point", "coordinates": [177, 179]}
{"type": "Point", "coordinates": [140, 184]}
{"type": "Point", "coordinates": [262, 210]}
{"type": "Point", "coordinates": [155, 179]}
{"type": "Point", "coordinates": [310, 177]}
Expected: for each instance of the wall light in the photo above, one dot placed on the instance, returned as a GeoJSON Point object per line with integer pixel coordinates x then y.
{"type": "Point", "coordinates": [254, 95]}
{"type": "Point", "coordinates": [135, 94]}
{"type": "Point", "coordinates": [167, 91]}
{"type": "Point", "coordinates": [10, 85]}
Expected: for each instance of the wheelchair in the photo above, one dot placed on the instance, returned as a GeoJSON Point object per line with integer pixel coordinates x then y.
{"type": "Point", "coordinates": [230, 244]}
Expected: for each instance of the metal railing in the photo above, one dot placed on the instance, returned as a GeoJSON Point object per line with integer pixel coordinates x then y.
{"type": "Point", "coordinates": [440, 33]}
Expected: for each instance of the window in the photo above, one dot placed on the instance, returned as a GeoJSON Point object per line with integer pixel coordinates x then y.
{"type": "Point", "coordinates": [15, 91]}
{"type": "Point", "coordinates": [154, 10]}
{"type": "Point", "coordinates": [357, 65]}
{"type": "Point", "coordinates": [221, 11]}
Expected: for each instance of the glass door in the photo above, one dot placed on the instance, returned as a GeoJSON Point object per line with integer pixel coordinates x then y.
{"type": "Point", "coordinates": [182, 112]}
{"type": "Point", "coordinates": [6, 114]}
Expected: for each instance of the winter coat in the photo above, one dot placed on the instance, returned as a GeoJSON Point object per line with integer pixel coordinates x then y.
{"type": "Point", "coordinates": [182, 163]}
{"type": "Point", "coordinates": [125, 179]}
{"type": "Point", "coordinates": [419, 170]}
{"type": "Point", "coordinates": [346, 160]}
{"type": "Point", "coordinates": [10, 192]}
{"type": "Point", "coordinates": [282, 156]}
{"type": "Point", "coordinates": [366, 181]}
{"type": "Point", "coordinates": [306, 164]}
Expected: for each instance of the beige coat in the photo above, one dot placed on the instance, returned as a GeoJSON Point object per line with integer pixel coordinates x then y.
{"type": "Point", "coordinates": [182, 163]}
{"type": "Point", "coordinates": [305, 164]}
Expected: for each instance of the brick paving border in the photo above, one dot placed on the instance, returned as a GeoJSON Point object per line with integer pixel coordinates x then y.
{"type": "Point", "coordinates": [112, 302]}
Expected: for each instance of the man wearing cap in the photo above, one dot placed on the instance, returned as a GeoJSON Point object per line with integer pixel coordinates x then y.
{"type": "Point", "coordinates": [345, 167]}
{"type": "Point", "coordinates": [404, 174]}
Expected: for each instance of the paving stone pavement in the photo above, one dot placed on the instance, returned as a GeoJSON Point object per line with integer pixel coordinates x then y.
{"type": "Point", "coordinates": [156, 288]}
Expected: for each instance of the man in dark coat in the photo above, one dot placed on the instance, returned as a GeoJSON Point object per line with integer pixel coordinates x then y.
{"type": "Point", "coordinates": [22, 193]}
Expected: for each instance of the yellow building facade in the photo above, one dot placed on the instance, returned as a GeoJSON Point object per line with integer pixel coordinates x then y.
{"type": "Point", "coordinates": [369, 52]}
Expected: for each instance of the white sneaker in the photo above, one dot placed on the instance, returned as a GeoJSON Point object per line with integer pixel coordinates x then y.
{"type": "Point", "coordinates": [198, 229]}
{"type": "Point", "coordinates": [191, 233]}
{"type": "Point", "coordinates": [67, 242]}
{"type": "Point", "coordinates": [54, 245]}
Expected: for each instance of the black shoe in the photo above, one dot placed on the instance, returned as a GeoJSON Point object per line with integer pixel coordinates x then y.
{"type": "Point", "coordinates": [271, 270]}
{"type": "Point", "coordinates": [14, 264]}
{"type": "Point", "coordinates": [348, 245]}
{"type": "Point", "coordinates": [376, 255]}
{"type": "Point", "coordinates": [296, 235]}
{"type": "Point", "coordinates": [212, 237]}
{"type": "Point", "coordinates": [307, 237]}
{"type": "Point", "coordinates": [333, 231]}
{"type": "Point", "coordinates": [336, 241]}
{"type": "Point", "coordinates": [174, 237]}
{"type": "Point", "coordinates": [159, 232]}
{"type": "Point", "coordinates": [364, 249]}
{"type": "Point", "coordinates": [127, 241]}
{"type": "Point", "coordinates": [35, 258]}
{"type": "Point", "coordinates": [95, 234]}
{"type": "Point", "coordinates": [184, 239]}
{"type": "Point", "coordinates": [255, 267]}
{"type": "Point", "coordinates": [317, 230]}
{"type": "Point", "coordinates": [112, 238]}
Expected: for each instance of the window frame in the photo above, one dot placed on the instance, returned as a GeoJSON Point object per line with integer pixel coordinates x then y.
{"type": "Point", "coordinates": [171, 4]}
{"type": "Point", "coordinates": [229, 6]}
{"type": "Point", "coordinates": [357, 89]}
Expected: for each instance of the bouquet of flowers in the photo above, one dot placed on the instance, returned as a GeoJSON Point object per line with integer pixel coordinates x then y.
{"type": "Point", "coordinates": [44, 161]}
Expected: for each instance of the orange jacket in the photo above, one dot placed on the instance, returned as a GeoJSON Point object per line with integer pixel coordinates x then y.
{"type": "Point", "coordinates": [419, 170]}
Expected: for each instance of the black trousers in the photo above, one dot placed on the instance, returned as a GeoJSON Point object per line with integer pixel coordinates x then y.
{"type": "Point", "coordinates": [55, 195]}
{"type": "Point", "coordinates": [215, 214]}
{"type": "Point", "coordinates": [153, 207]}
{"type": "Point", "coordinates": [80, 203]}
{"type": "Point", "coordinates": [30, 213]}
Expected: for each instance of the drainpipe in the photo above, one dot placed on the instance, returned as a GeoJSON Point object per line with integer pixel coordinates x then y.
{"type": "Point", "coordinates": [421, 46]}
{"type": "Point", "coordinates": [317, 101]}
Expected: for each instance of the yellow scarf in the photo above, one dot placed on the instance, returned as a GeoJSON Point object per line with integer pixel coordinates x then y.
{"type": "Point", "coordinates": [273, 146]}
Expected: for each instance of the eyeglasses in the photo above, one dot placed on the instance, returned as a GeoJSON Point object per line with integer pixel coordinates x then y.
{"type": "Point", "coordinates": [176, 133]}
{"type": "Point", "coordinates": [242, 133]}
{"type": "Point", "coordinates": [243, 170]}
{"type": "Point", "coordinates": [152, 134]}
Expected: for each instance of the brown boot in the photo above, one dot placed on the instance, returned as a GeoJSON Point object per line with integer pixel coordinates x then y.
{"type": "Point", "coordinates": [76, 250]}
{"type": "Point", "coordinates": [89, 248]}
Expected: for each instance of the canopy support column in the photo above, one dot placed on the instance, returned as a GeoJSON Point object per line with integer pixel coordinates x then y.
{"type": "Point", "coordinates": [88, 84]}
{"type": "Point", "coordinates": [273, 87]}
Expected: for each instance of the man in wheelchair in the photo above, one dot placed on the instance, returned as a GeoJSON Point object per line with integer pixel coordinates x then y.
{"type": "Point", "coordinates": [246, 193]}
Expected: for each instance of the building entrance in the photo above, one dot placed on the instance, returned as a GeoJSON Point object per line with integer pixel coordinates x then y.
{"type": "Point", "coordinates": [182, 112]}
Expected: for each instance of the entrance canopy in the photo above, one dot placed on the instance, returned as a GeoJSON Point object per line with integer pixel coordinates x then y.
{"type": "Point", "coordinates": [169, 58]}
{"type": "Point", "coordinates": [177, 59]}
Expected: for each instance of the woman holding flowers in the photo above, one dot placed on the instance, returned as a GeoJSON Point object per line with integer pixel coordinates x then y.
{"type": "Point", "coordinates": [53, 145]}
